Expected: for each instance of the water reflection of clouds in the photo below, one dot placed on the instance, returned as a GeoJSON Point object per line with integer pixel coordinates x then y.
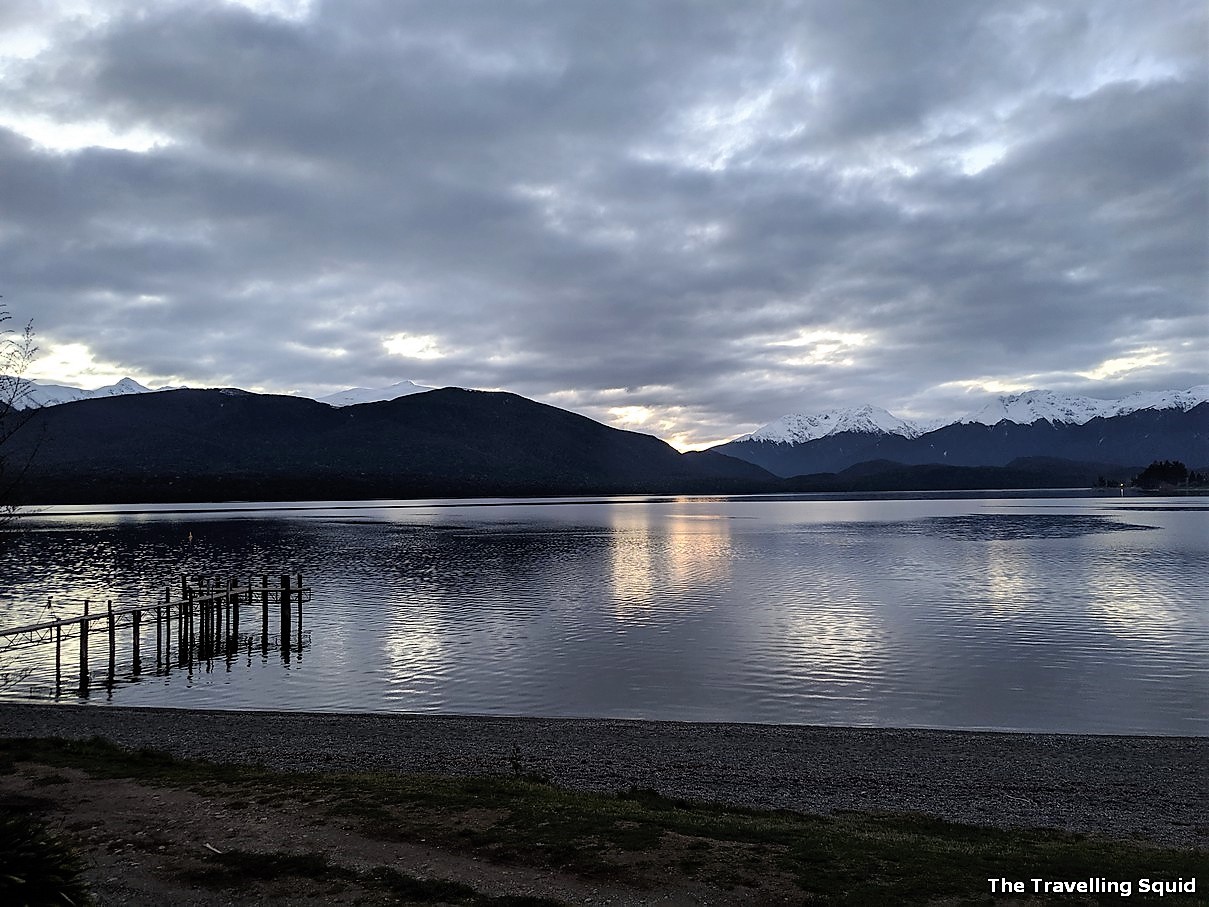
{"type": "Point", "coordinates": [903, 612]}
{"type": "Point", "coordinates": [832, 642]}
{"type": "Point", "coordinates": [415, 659]}
{"type": "Point", "coordinates": [1134, 604]}
{"type": "Point", "coordinates": [1010, 584]}
{"type": "Point", "coordinates": [659, 555]}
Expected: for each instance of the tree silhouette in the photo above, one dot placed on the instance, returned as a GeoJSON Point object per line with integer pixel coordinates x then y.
{"type": "Point", "coordinates": [17, 351]}
{"type": "Point", "coordinates": [1162, 472]}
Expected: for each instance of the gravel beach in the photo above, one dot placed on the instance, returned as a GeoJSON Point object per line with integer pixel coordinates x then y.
{"type": "Point", "coordinates": [1153, 788]}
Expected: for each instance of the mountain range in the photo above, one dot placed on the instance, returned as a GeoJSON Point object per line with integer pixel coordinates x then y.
{"type": "Point", "coordinates": [126, 444]}
{"type": "Point", "coordinates": [1037, 424]}
{"type": "Point", "coordinates": [1021, 409]}
{"type": "Point", "coordinates": [228, 444]}
{"type": "Point", "coordinates": [33, 394]}
{"type": "Point", "coordinates": [1116, 444]}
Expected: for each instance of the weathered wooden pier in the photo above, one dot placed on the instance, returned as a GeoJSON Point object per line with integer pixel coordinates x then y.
{"type": "Point", "coordinates": [201, 624]}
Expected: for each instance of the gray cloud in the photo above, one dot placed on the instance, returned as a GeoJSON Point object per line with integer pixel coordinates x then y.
{"type": "Point", "coordinates": [717, 213]}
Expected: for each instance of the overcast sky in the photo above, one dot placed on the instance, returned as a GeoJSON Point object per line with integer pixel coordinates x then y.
{"type": "Point", "coordinates": [684, 218]}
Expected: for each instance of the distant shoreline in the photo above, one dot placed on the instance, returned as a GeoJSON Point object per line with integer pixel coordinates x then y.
{"type": "Point", "coordinates": [88, 508]}
{"type": "Point", "coordinates": [1153, 788]}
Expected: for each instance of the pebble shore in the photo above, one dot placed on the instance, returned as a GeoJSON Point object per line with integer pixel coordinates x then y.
{"type": "Point", "coordinates": [1152, 788]}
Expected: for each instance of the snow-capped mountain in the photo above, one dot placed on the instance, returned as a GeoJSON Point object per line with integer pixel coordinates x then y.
{"type": "Point", "coordinates": [1022, 409]}
{"type": "Point", "coordinates": [1043, 425]}
{"type": "Point", "coordinates": [31, 394]}
{"type": "Point", "coordinates": [356, 395]}
{"type": "Point", "coordinates": [1070, 409]}
{"type": "Point", "coordinates": [798, 428]}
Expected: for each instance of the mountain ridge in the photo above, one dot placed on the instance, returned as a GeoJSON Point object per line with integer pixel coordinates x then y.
{"type": "Point", "coordinates": [1138, 437]}
{"type": "Point", "coordinates": [1022, 408]}
{"type": "Point", "coordinates": [229, 444]}
{"type": "Point", "coordinates": [1025, 408]}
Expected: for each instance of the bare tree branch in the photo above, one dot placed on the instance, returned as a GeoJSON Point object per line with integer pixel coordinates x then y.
{"type": "Point", "coordinates": [17, 351]}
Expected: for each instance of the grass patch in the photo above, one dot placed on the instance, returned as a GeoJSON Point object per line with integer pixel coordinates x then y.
{"type": "Point", "coordinates": [439, 891]}
{"type": "Point", "coordinates": [642, 839]}
{"type": "Point", "coordinates": [239, 868]}
{"type": "Point", "coordinates": [37, 866]}
{"type": "Point", "coordinates": [235, 867]}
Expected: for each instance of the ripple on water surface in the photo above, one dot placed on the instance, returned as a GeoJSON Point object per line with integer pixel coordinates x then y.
{"type": "Point", "coordinates": [1081, 615]}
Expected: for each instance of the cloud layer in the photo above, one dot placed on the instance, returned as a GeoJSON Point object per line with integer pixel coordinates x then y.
{"type": "Point", "coordinates": [686, 218]}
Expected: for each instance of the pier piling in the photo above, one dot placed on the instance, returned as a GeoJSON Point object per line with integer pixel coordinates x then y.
{"type": "Point", "coordinates": [285, 618]}
{"type": "Point", "coordinates": [264, 614]}
{"type": "Point", "coordinates": [135, 621]}
{"type": "Point", "coordinates": [113, 642]}
{"type": "Point", "coordinates": [234, 627]}
{"type": "Point", "coordinates": [84, 650]}
{"type": "Point", "coordinates": [207, 617]}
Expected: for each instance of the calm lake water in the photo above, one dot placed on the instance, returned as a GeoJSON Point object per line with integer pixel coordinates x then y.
{"type": "Point", "coordinates": [1078, 614]}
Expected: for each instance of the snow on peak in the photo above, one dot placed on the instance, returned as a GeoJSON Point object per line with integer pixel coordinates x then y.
{"type": "Point", "coordinates": [797, 428]}
{"type": "Point", "coordinates": [1024, 409]}
{"type": "Point", "coordinates": [1036, 405]}
{"type": "Point", "coordinates": [1181, 400]}
{"type": "Point", "coordinates": [356, 395]}
{"type": "Point", "coordinates": [32, 394]}
{"type": "Point", "coordinates": [1033, 406]}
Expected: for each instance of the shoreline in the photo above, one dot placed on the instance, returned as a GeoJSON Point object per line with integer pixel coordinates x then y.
{"type": "Point", "coordinates": [1152, 788]}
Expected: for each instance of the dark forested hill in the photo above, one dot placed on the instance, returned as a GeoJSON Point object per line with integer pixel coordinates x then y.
{"type": "Point", "coordinates": [226, 444]}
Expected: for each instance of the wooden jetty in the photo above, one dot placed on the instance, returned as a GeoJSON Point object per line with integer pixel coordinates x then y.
{"type": "Point", "coordinates": [204, 613]}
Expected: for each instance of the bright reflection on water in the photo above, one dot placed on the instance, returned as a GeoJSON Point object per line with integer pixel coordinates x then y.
{"type": "Point", "coordinates": [1080, 614]}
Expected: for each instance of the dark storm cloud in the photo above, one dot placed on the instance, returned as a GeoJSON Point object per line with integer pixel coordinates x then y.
{"type": "Point", "coordinates": [717, 213]}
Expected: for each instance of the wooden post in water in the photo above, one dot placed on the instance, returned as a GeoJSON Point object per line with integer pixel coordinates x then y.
{"type": "Point", "coordinates": [284, 634]}
{"type": "Point", "coordinates": [213, 608]}
{"type": "Point", "coordinates": [185, 640]}
{"type": "Point", "coordinates": [203, 621]}
{"type": "Point", "coordinates": [234, 627]}
{"type": "Point", "coordinates": [216, 612]}
{"type": "Point", "coordinates": [232, 595]}
{"type": "Point", "coordinates": [199, 634]}
{"type": "Point", "coordinates": [225, 640]}
{"type": "Point", "coordinates": [215, 616]}
{"type": "Point", "coordinates": [264, 614]}
{"type": "Point", "coordinates": [113, 642]}
{"type": "Point", "coordinates": [84, 649]}
{"type": "Point", "coordinates": [58, 658]}
{"type": "Point", "coordinates": [167, 629]}
{"type": "Point", "coordinates": [220, 608]}
{"type": "Point", "coordinates": [159, 637]}
{"type": "Point", "coordinates": [299, 615]}
{"type": "Point", "coordinates": [136, 619]}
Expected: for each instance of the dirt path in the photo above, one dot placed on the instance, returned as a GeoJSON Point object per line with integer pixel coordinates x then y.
{"type": "Point", "coordinates": [153, 844]}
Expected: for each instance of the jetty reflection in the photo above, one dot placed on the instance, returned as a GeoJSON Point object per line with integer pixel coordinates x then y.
{"type": "Point", "coordinates": [193, 631]}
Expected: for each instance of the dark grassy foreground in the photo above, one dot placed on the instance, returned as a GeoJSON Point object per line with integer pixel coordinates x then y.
{"type": "Point", "coordinates": [637, 839]}
{"type": "Point", "coordinates": [36, 865]}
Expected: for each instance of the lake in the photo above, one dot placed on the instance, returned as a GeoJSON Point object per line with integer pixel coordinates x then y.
{"type": "Point", "coordinates": [1079, 614]}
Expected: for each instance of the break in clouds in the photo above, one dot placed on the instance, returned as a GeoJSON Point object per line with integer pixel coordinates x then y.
{"type": "Point", "coordinates": [685, 218]}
